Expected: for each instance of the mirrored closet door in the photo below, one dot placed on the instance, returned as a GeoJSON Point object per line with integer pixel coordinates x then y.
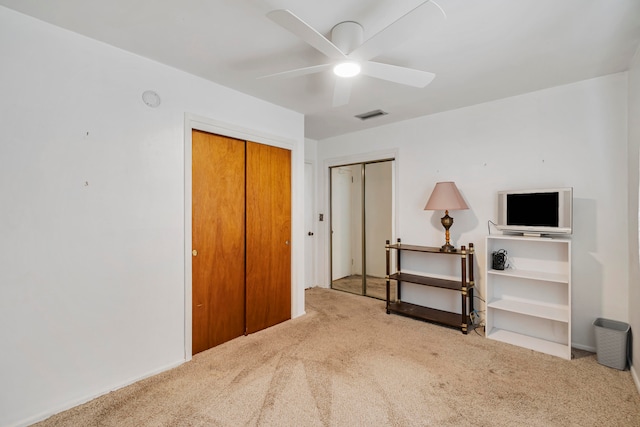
{"type": "Point", "coordinates": [361, 222]}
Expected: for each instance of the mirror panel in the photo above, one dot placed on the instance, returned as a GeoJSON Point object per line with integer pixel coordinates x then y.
{"type": "Point", "coordinates": [361, 222]}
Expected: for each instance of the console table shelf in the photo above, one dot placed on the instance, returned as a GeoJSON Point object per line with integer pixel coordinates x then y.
{"type": "Point", "coordinates": [427, 281]}
{"type": "Point", "coordinates": [457, 320]}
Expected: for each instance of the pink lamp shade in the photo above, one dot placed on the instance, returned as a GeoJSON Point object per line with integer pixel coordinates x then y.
{"type": "Point", "coordinates": [445, 197]}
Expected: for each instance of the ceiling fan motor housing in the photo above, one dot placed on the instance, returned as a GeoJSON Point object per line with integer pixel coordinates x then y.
{"type": "Point", "coordinates": [347, 36]}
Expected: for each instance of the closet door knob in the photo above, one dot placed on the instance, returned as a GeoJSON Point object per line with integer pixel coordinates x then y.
{"type": "Point", "coordinates": [286, 242]}
{"type": "Point", "coordinates": [194, 252]}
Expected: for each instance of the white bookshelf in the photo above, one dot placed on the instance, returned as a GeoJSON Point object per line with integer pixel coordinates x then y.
{"type": "Point", "coordinates": [529, 303]}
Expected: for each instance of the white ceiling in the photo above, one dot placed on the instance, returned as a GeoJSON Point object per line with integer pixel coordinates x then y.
{"type": "Point", "coordinates": [483, 50]}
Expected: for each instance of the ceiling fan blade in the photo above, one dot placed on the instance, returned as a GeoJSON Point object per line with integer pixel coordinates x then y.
{"type": "Point", "coordinates": [298, 72]}
{"type": "Point", "coordinates": [297, 26]}
{"type": "Point", "coordinates": [395, 33]}
{"type": "Point", "coordinates": [393, 73]}
{"type": "Point", "coordinates": [341, 92]}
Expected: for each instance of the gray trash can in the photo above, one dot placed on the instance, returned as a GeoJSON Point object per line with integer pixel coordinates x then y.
{"type": "Point", "coordinates": [612, 339]}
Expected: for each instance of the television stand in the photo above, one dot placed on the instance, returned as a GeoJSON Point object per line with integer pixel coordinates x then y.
{"type": "Point", "coordinates": [527, 235]}
{"type": "Point", "coordinates": [529, 304]}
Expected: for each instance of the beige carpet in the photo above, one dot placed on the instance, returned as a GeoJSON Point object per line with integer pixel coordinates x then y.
{"type": "Point", "coordinates": [348, 363]}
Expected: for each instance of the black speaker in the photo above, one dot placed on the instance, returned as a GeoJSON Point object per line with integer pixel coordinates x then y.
{"type": "Point", "coordinates": [499, 259]}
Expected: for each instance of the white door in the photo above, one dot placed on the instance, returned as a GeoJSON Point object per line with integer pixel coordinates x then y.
{"type": "Point", "coordinates": [309, 226]}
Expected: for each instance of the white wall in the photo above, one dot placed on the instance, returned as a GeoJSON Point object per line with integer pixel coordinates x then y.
{"type": "Point", "coordinates": [573, 135]}
{"type": "Point", "coordinates": [92, 227]}
{"type": "Point", "coordinates": [634, 176]}
{"type": "Point", "coordinates": [310, 150]}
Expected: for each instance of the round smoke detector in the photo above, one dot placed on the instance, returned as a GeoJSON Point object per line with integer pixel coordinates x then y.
{"type": "Point", "coordinates": [151, 98]}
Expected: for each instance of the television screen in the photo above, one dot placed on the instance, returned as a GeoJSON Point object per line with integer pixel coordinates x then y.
{"type": "Point", "coordinates": [542, 211]}
{"type": "Point", "coordinates": [533, 209]}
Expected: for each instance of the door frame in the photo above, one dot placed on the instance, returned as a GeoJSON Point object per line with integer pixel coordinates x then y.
{"type": "Point", "coordinates": [194, 122]}
{"type": "Point", "coordinates": [373, 156]}
{"type": "Point", "coordinates": [310, 259]}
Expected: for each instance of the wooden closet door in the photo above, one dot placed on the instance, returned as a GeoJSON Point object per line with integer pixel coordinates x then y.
{"type": "Point", "coordinates": [218, 211]}
{"type": "Point", "coordinates": [268, 238]}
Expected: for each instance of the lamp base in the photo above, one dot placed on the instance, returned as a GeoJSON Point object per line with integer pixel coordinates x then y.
{"type": "Point", "coordinates": [447, 222]}
{"type": "Point", "coordinates": [448, 248]}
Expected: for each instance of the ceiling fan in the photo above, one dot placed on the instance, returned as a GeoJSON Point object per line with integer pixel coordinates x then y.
{"type": "Point", "coordinates": [351, 54]}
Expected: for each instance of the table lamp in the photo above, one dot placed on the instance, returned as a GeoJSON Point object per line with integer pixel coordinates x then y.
{"type": "Point", "coordinates": [446, 197]}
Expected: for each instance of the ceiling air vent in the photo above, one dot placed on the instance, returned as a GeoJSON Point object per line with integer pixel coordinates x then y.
{"type": "Point", "coordinates": [371, 114]}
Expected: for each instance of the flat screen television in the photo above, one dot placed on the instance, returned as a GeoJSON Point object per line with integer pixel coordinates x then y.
{"type": "Point", "coordinates": [536, 212]}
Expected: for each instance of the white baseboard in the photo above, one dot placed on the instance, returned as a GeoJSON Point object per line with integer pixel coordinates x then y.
{"type": "Point", "coordinates": [71, 404]}
{"type": "Point", "coordinates": [299, 315]}
{"type": "Point", "coordinates": [583, 347]}
{"type": "Point", "coordinates": [634, 375]}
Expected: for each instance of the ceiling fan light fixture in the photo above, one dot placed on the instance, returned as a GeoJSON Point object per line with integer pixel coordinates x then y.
{"type": "Point", "coordinates": [347, 69]}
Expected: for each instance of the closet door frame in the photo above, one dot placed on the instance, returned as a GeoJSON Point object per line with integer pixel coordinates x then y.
{"type": "Point", "coordinates": [194, 122]}
{"type": "Point", "coordinates": [362, 263]}
{"type": "Point", "coordinates": [371, 157]}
